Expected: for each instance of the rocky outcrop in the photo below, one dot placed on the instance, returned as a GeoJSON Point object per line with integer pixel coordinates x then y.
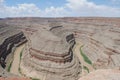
{"type": "Point", "coordinates": [100, 45]}
{"type": "Point", "coordinates": [9, 38]}
{"type": "Point", "coordinates": [108, 74]}
{"type": "Point", "coordinates": [51, 56]}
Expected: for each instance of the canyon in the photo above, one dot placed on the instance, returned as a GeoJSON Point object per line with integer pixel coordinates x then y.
{"type": "Point", "coordinates": [60, 48]}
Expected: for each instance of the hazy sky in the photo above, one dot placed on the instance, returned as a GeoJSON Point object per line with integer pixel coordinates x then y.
{"type": "Point", "coordinates": [59, 8]}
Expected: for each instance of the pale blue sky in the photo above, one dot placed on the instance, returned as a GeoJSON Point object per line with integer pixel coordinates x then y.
{"type": "Point", "coordinates": [40, 3]}
{"type": "Point", "coordinates": [59, 8]}
{"type": "Point", "coordinates": [57, 3]}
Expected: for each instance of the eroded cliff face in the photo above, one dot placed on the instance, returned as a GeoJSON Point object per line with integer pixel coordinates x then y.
{"type": "Point", "coordinates": [103, 74]}
{"type": "Point", "coordinates": [8, 44]}
{"type": "Point", "coordinates": [9, 39]}
{"type": "Point", "coordinates": [51, 55]}
{"type": "Point", "coordinates": [49, 52]}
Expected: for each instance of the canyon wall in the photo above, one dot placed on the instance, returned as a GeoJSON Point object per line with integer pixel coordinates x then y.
{"type": "Point", "coordinates": [49, 55]}
{"type": "Point", "coordinates": [49, 52]}
{"type": "Point", "coordinates": [9, 38]}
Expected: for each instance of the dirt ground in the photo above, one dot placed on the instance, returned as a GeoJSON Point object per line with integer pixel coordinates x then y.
{"type": "Point", "coordinates": [16, 61]}
{"type": "Point", "coordinates": [83, 63]}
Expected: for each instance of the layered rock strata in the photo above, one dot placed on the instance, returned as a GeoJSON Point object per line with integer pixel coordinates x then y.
{"type": "Point", "coordinates": [46, 45]}
{"type": "Point", "coordinates": [9, 38]}
{"type": "Point", "coordinates": [50, 54]}
{"type": "Point", "coordinates": [103, 74]}
{"type": "Point", "coordinates": [100, 38]}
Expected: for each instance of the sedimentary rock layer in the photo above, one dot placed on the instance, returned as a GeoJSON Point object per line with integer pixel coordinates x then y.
{"type": "Point", "coordinates": [108, 74]}
{"type": "Point", "coordinates": [9, 38]}
{"type": "Point", "coordinates": [49, 49]}
{"type": "Point", "coordinates": [51, 56]}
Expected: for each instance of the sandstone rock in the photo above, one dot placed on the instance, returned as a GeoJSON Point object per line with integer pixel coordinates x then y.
{"type": "Point", "coordinates": [9, 38]}
{"type": "Point", "coordinates": [51, 56]}
{"type": "Point", "coordinates": [102, 74]}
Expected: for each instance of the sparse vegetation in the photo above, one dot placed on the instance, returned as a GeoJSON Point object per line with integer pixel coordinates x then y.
{"type": "Point", "coordinates": [34, 78]}
{"type": "Point", "coordinates": [9, 67]}
{"type": "Point", "coordinates": [19, 69]}
{"type": "Point", "coordinates": [86, 69]}
{"type": "Point", "coordinates": [21, 54]}
{"type": "Point", "coordinates": [86, 59]}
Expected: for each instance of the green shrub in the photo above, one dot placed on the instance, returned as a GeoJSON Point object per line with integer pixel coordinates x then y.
{"type": "Point", "coordinates": [21, 54]}
{"type": "Point", "coordinates": [86, 68]}
{"type": "Point", "coordinates": [86, 59]}
{"type": "Point", "coordinates": [34, 78]}
{"type": "Point", "coordinates": [19, 69]}
{"type": "Point", "coordinates": [9, 67]}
